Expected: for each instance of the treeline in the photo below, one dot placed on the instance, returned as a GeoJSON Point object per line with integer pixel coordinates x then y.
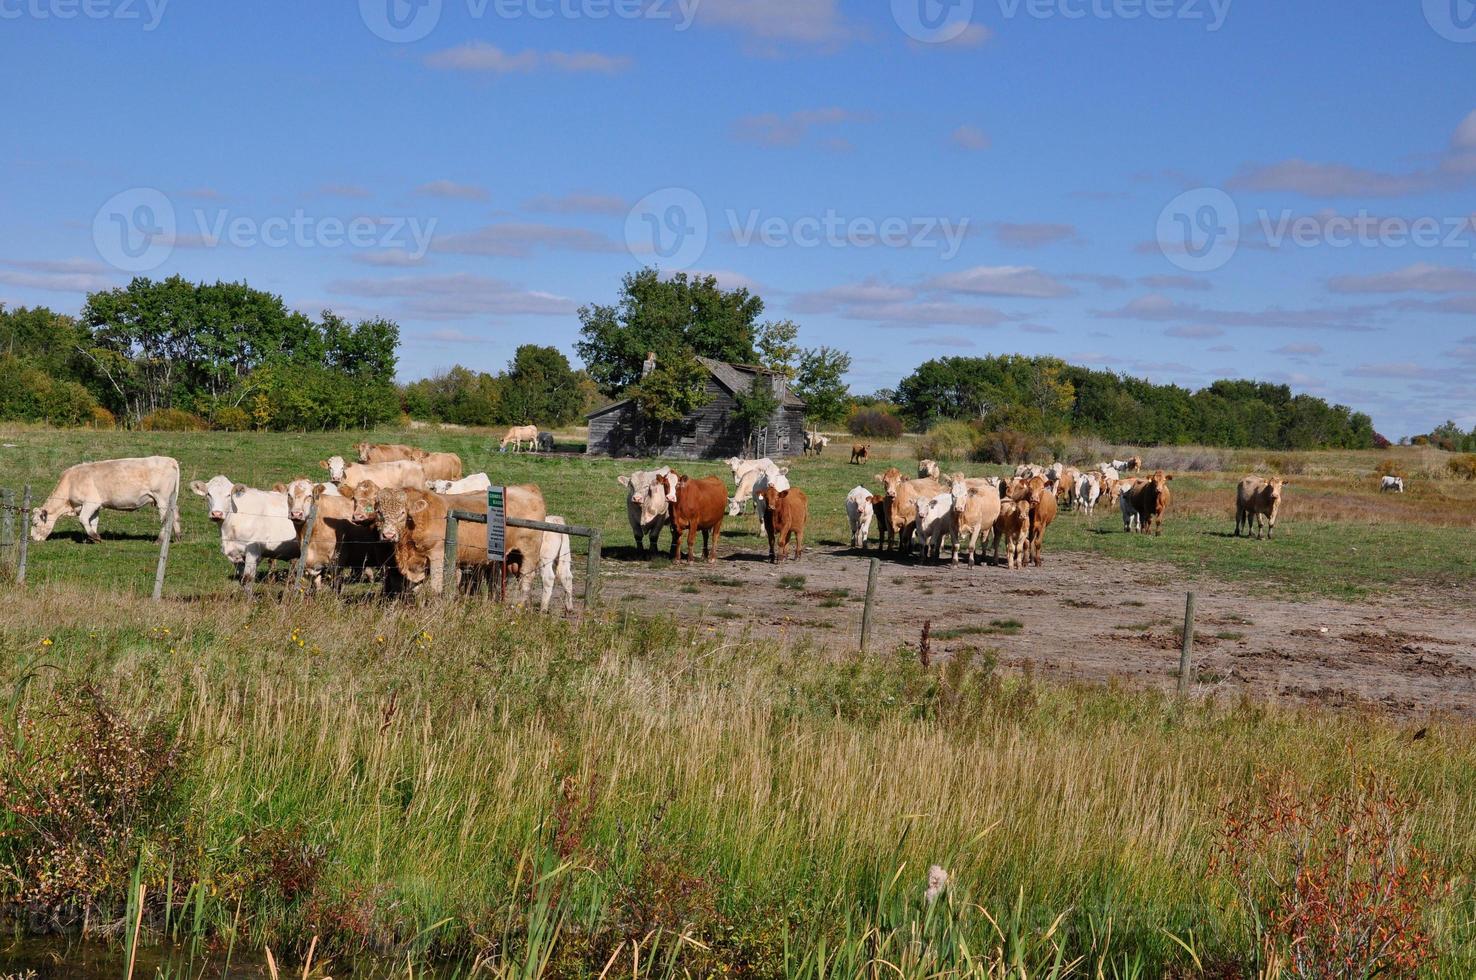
{"type": "Point", "coordinates": [539, 386]}
{"type": "Point", "coordinates": [1045, 397]}
{"type": "Point", "coordinates": [176, 354]}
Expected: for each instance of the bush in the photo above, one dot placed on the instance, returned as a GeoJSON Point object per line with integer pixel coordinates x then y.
{"type": "Point", "coordinates": [948, 440]}
{"type": "Point", "coordinates": [172, 420]}
{"type": "Point", "coordinates": [1286, 465]}
{"type": "Point", "coordinates": [1389, 467]}
{"type": "Point", "coordinates": [1006, 446]}
{"type": "Point", "coordinates": [102, 418]}
{"type": "Point", "coordinates": [875, 423]}
{"type": "Point", "coordinates": [1463, 467]}
{"type": "Point", "coordinates": [231, 419]}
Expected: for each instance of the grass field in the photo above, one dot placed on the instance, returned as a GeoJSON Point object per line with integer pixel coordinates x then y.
{"type": "Point", "coordinates": [1338, 537]}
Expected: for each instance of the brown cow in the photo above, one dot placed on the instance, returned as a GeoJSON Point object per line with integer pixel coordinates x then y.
{"type": "Point", "coordinates": [415, 522]}
{"type": "Point", "coordinates": [338, 542]}
{"type": "Point", "coordinates": [388, 452]}
{"type": "Point", "coordinates": [859, 453]}
{"type": "Point", "coordinates": [696, 505]}
{"type": "Point", "coordinates": [1042, 512]}
{"type": "Point", "coordinates": [1149, 499]}
{"type": "Point", "coordinates": [1256, 503]}
{"type": "Point", "coordinates": [1013, 527]}
{"type": "Point", "coordinates": [1135, 463]}
{"type": "Point", "coordinates": [787, 513]}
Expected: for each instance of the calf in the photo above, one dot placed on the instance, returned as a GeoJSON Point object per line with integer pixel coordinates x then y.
{"type": "Point", "coordinates": [903, 498]}
{"type": "Point", "coordinates": [1150, 500]}
{"type": "Point", "coordinates": [415, 522]}
{"type": "Point", "coordinates": [785, 516]}
{"type": "Point", "coordinates": [696, 505]}
{"type": "Point", "coordinates": [1130, 520]}
{"type": "Point", "coordinates": [254, 524]}
{"type": "Point", "coordinates": [337, 542]}
{"type": "Point", "coordinates": [751, 486]}
{"type": "Point", "coordinates": [441, 466]}
{"type": "Point", "coordinates": [86, 489]}
{"type": "Point", "coordinates": [555, 563]}
{"type": "Point", "coordinates": [935, 520]}
{"type": "Point", "coordinates": [388, 452]}
{"type": "Point", "coordinates": [1134, 464]}
{"type": "Point", "coordinates": [1013, 528]}
{"type": "Point", "coordinates": [1042, 513]}
{"type": "Point", "coordinates": [1088, 492]}
{"type": "Point", "coordinates": [815, 443]}
{"type": "Point", "coordinates": [546, 445]}
{"type": "Point", "coordinates": [1256, 502]}
{"type": "Point", "coordinates": [860, 510]}
{"type": "Point", "coordinates": [859, 453]}
{"type": "Point", "coordinates": [975, 510]}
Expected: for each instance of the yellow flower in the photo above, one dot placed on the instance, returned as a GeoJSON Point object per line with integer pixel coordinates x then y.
{"type": "Point", "coordinates": [46, 642]}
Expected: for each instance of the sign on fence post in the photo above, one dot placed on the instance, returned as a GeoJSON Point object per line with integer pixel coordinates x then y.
{"type": "Point", "coordinates": [497, 524]}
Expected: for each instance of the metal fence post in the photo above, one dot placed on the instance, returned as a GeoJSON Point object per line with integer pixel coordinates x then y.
{"type": "Point", "coordinates": [25, 536]}
{"type": "Point", "coordinates": [166, 534]}
{"type": "Point", "coordinates": [448, 571]}
{"type": "Point", "coordinates": [1186, 653]}
{"type": "Point", "coordinates": [592, 571]}
{"type": "Point", "coordinates": [871, 577]}
{"type": "Point", "coordinates": [302, 547]}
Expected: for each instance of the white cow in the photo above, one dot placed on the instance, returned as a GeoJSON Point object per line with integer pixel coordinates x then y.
{"type": "Point", "coordinates": [254, 524]}
{"type": "Point", "coordinates": [554, 563]}
{"type": "Point", "coordinates": [1109, 472]}
{"type": "Point", "coordinates": [300, 497]}
{"type": "Point", "coordinates": [1392, 484]}
{"type": "Point", "coordinates": [935, 519]}
{"type": "Point", "coordinates": [751, 485]}
{"type": "Point", "coordinates": [860, 509]}
{"type": "Point", "coordinates": [115, 484]}
{"type": "Point", "coordinates": [1088, 492]}
{"type": "Point", "coordinates": [647, 511]}
{"type": "Point", "coordinates": [476, 483]}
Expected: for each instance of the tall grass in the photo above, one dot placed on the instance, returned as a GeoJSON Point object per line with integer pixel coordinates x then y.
{"type": "Point", "coordinates": [533, 796]}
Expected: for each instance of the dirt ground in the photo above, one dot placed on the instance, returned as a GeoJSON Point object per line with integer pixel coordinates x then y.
{"type": "Point", "coordinates": [1087, 618]}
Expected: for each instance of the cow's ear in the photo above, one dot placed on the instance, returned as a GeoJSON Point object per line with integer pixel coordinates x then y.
{"type": "Point", "coordinates": [418, 504]}
{"type": "Point", "coordinates": [317, 490]}
{"type": "Point", "coordinates": [624, 481]}
{"type": "Point", "coordinates": [279, 488]}
{"type": "Point", "coordinates": [1168, 476]}
{"type": "Point", "coordinates": [198, 488]}
{"type": "Point", "coordinates": [238, 488]}
{"type": "Point", "coordinates": [783, 493]}
{"type": "Point", "coordinates": [783, 471]}
{"type": "Point", "coordinates": [324, 463]}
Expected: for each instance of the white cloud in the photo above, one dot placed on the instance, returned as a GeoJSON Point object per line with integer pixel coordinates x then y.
{"type": "Point", "coordinates": [772, 129]}
{"type": "Point", "coordinates": [518, 240]}
{"type": "Point", "coordinates": [1033, 234]}
{"type": "Point", "coordinates": [457, 296]}
{"type": "Point", "coordinates": [577, 203]}
{"type": "Point", "coordinates": [1420, 278]}
{"type": "Point", "coordinates": [60, 276]}
{"type": "Point", "coordinates": [451, 190]}
{"type": "Point", "coordinates": [1001, 280]}
{"type": "Point", "coordinates": [770, 24]}
{"type": "Point", "coordinates": [1196, 332]}
{"type": "Point", "coordinates": [479, 56]}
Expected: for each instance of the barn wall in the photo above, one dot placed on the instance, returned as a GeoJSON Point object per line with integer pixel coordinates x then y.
{"type": "Point", "coordinates": [708, 433]}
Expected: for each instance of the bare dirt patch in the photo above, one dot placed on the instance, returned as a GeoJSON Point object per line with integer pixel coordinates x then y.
{"type": "Point", "coordinates": [1094, 619]}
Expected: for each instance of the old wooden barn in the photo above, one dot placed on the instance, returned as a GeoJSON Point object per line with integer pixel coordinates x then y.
{"type": "Point", "coordinates": [712, 432]}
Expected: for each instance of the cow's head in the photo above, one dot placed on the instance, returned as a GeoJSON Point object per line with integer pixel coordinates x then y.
{"type": "Point", "coordinates": [773, 495]}
{"type": "Point", "coordinates": [669, 482]}
{"type": "Point", "coordinates": [959, 490]}
{"type": "Point", "coordinates": [42, 521]}
{"type": "Point", "coordinates": [891, 480]}
{"type": "Point", "coordinates": [1273, 489]}
{"type": "Point", "coordinates": [219, 494]}
{"type": "Point", "coordinates": [364, 494]}
{"type": "Point", "coordinates": [334, 465]}
{"type": "Point", "coordinates": [363, 450]}
{"type": "Point", "coordinates": [651, 499]}
{"type": "Point", "coordinates": [392, 513]}
{"type": "Point", "coordinates": [299, 498]}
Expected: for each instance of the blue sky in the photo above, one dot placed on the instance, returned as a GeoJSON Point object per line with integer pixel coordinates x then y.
{"type": "Point", "coordinates": [1175, 189]}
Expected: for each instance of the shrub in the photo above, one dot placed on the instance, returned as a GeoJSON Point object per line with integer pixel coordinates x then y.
{"type": "Point", "coordinates": [1286, 465]}
{"type": "Point", "coordinates": [876, 423]}
{"type": "Point", "coordinates": [231, 419]}
{"type": "Point", "coordinates": [1005, 446]}
{"type": "Point", "coordinates": [1389, 467]}
{"type": "Point", "coordinates": [102, 418]}
{"type": "Point", "coordinates": [172, 420]}
{"type": "Point", "coordinates": [1463, 467]}
{"type": "Point", "coordinates": [948, 440]}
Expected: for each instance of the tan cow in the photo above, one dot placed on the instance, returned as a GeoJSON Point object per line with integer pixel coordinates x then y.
{"type": "Point", "coordinates": [859, 453]}
{"type": "Point", "coordinates": [398, 473]}
{"type": "Point", "coordinates": [974, 510]}
{"type": "Point", "coordinates": [387, 452]}
{"type": "Point", "coordinates": [1257, 502]}
{"type": "Point", "coordinates": [555, 563]}
{"type": "Point", "coordinates": [1042, 512]}
{"type": "Point", "coordinates": [1134, 464]}
{"type": "Point", "coordinates": [338, 543]}
{"type": "Point", "coordinates": [903, 497]}
{"type": "Point", "coordinates": [1149, 500]}
{"type": "Point", "coordinates": [414, 521]}
{"type": "Point", "coordinates": [1013, 528]}
{"type": "Point", "coordinates": [112, 484]}
{"type": "Point", "coordinates": [785, 516]}
{"type": "Point", "coordinates": [519, 434]}
{"type": "Point", "coordinates": [927, 469]}
{"type": "Point", "coordinates": [441, 466]}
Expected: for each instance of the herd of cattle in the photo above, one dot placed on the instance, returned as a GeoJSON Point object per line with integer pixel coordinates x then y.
{"type": "Point", "coordinates": [382, 514]}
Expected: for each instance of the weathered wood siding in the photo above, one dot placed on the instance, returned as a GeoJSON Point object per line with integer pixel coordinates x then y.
{"type": "Point", "coordinates": [709, 433]}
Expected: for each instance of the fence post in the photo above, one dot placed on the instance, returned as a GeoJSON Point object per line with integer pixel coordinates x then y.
{"type": "Point", "coordinates": [870, 597]}
{"type": "Point", "coordinates": [25, 536]}
{"type": "Point", "coordinates": [302, 548]}
{"type": "Point", "coordinates": [592, 571]}
{"type": "Point", "coordinates": [1186, 653]}
{"type": "Point", "coordinates": [166, 534]}
{"type": "Point", "coordinates": [448, 572]}
{"type": "Point", "coordinates": [7, 522]}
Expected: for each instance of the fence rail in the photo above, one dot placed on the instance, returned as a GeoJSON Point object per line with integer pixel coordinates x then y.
{"type": "Point", "coordinates": [592, 559]}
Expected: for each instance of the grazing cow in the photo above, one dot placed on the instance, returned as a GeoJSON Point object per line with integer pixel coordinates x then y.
{"type": "Point", "coordinates": [861, 510]}
{"type": "Point", "coordinates": [397, 473]}
{"type": "Point", "coordinates": [546, 445]}
{"type": "Point", "coordinates": [859, 453]}
{"type": "Point", "coordinates": [555, 563]}
{"type": "Point", "coordinates": [785, 515]}
{"type": "Point", "coordinates": [476, 483]}
{"type": "Point", "coordinates": [696, 505]}
{"type": "Point", "coordinates": [815, 443]}
{"type": "Point", "coordinates": [1088, 492]}
{"type": "Point", "coordinates": [517, 435]}
{"type": "Point", "coordinates": [254, 524]}
{"type": "Point", "coordinates": [1256, 502]}
{"type": "Point", "coordinates": [1042, 513]}
{"type": "Point", "coordinates": [645, 506]}
{"type": "Point", "coordinates": [1134, 464]}
{"type": "Point", "coordinates": [337, 542]}
{"type": "Point", "coordinates": [1150, 499]}
{"type": "Point", "coordinates": [1121, 465]}
{"type": "Point", "coordinates": [751, 486]}
{"type": "Point", "coordinates": [414, 521]}
{"type": "Point", "coordinates": [113, 484]}
{"type": "Point", "coordinates": [927, 469]}
{"type": "Point", "coordinates": [1013, 528]}
{"type": "Point", "coordinates": [742, 467]}
{"type": "Point", "coordinates": [903, 497]}
{"type": "Point", "coordinates": [370, 452]}
{"type": "Point", "coordinates": [441, 466]}
{"type": "Point", "coordinates": [1392, 484]}
{"type": "Point", "coordinates": [1130, 520]}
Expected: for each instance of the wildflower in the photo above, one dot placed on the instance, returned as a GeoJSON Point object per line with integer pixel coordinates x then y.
{"type": "Point", "coordinates": [379, 639]}
{"type": "Point", "coordinates": [46, 642]}
{"type": "Point", "coordinates": [937, 884]}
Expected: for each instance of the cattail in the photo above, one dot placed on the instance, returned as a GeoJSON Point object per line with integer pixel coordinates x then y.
{"type": "Point", "coordinates": [937, 884]}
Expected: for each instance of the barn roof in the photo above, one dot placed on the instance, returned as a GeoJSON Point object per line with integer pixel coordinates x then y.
{"type": "Point", "coordinates": [734, 377]}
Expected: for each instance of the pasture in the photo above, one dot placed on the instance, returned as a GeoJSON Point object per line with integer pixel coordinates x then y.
{"type": "Point", "coordinates": [704, 777]}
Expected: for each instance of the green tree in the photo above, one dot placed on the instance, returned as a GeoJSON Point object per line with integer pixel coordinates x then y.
{"type": "Point", "coordinates": [778, 347]}
{"type": "Point", "coordinates": [675, 389]}
{"type": "Point", "coordinates": [820, 381]}
{"type": "Point", "coordinates": [540, 387]}
{"type": "Point", "coordinates": [755, 407]}
{"type": "Point", "coordinates": [674, 318]}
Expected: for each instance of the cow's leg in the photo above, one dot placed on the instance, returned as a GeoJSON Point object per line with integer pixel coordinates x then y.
{"type": "Point", "coordinates": [248, 566]}
{"type": "Point", "coordinates": [87, 517]}
{"type": "Point", "coordinates": [717, 533]}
